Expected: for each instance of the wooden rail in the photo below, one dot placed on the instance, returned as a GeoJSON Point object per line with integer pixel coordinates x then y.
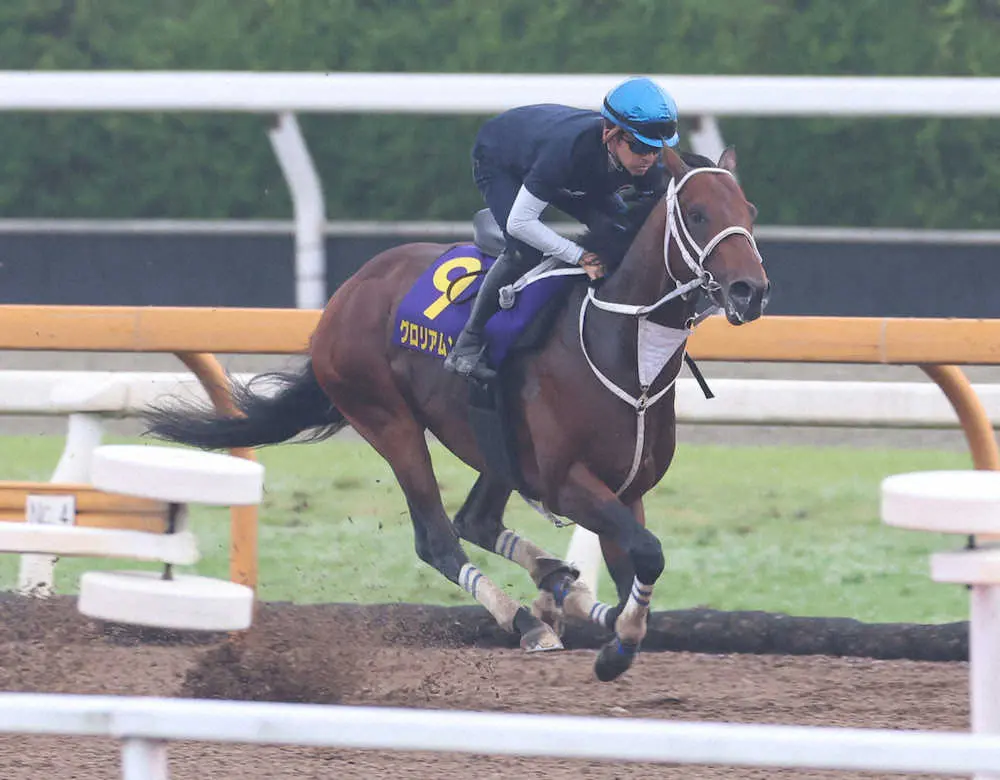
{"type": "Point", "coordinates": [94, 508]}
{"type": "Point", "coordinates": [282, 331]}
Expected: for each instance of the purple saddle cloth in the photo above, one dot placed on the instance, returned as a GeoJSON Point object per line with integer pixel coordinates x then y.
{"type": "Point", "coordinates": [436, 308]}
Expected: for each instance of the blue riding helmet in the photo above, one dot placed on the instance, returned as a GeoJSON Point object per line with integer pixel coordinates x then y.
{"type": "Point", "coordinates": [644, 109]}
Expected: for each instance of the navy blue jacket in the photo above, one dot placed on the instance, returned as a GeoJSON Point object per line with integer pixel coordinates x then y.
{"type": "Point", "coordinates": [557, 153]}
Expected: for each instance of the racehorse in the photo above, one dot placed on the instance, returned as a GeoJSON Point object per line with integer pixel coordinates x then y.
{"type": "Point", "coordinates": [592, 407]}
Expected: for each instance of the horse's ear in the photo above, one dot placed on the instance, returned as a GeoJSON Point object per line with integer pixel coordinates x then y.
{"type": "Point", "coordinates": [674, 163]}
{"type": "Point", "coordinates": [728, 159]}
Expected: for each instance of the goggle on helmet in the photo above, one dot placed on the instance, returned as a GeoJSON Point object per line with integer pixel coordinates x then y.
{"type": "Point", "coordinates": [644, 109]}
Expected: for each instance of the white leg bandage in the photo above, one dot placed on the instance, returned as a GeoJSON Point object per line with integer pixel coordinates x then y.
{"type": "Point", "coordinates": [523, 552]}
{"type": "Point", "coordinates": [631, 625]}
{"type": "Point", "coordinates": [580, 603]}
{"type": "Point", "coordinates": [482, 589]}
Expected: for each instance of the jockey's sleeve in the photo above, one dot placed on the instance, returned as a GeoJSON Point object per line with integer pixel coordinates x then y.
{"type": "Point", "coordinates": [524, 224]}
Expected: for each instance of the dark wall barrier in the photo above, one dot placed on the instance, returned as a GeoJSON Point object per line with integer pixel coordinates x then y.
{"type": "Point", "coordinates": [810, 277]}
{"type": "Point", "coordinates": [147, 270]}
{"type": "Point", "coordinates": [883, 279]}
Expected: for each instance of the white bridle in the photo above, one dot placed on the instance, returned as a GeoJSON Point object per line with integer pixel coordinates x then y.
{"type": "Point", "coordinates": [694, 256]}
{"type": "Point", "coordinates": [662, 342]}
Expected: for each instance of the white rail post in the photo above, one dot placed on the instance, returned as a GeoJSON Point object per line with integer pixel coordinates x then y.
{"type": "Point", "coordinates": [706, 138]}
{"type": "Point", "coordinates": [584, 552]}
{"type": "Point", "coordinates": [984, 661]}
{"type": "Point", "coordinates": [310, 212]}
{"type": "Point", "coordinates": [83, 434]}
{"type": "Point", "coordinates": [144, 759]}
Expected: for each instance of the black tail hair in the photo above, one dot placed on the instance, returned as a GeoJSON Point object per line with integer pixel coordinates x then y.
{"type": "Point", "coordinates": [294, 403]}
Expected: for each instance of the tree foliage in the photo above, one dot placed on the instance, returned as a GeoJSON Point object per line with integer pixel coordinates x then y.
{"type": "Point", "coordinates": [871, 172]}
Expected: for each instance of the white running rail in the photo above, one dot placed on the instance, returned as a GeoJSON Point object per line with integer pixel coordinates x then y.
{"type": "Point", "coordinates": [145, 725]}
{"type": "Point", "coordinates": [738, 401]}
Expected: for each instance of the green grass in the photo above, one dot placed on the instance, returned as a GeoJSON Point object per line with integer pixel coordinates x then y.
{"type": "Point", "coordinates": [791, 529]}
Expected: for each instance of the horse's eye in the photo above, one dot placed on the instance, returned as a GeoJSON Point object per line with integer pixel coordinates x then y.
{"type": "Point", "coordinates": [697, 217]}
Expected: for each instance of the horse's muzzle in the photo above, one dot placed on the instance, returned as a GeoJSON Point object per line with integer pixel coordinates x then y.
{"type": "Point", "coordinates": [744, 300]}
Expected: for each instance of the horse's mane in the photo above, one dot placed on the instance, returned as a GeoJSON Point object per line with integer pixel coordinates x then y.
{"type": "Point", "coordinates": [610, 236]}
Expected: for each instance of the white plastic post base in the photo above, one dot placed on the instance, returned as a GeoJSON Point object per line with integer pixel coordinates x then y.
{"type": "Point", "coordinates": [176, 475]}
{"type": "Point", "coordinates": [185, 602]}
{"type": "Point", "coordinates": [952, 502]}
{"type": "Point", "coordinates": [967, 567]}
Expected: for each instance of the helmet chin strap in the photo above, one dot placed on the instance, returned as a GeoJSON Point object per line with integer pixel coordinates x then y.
{"type": "Point", "coordinates": [613, 161]}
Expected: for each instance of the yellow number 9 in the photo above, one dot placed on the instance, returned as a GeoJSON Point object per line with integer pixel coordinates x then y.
{"type": "Point", "coordinates": [442, 282]}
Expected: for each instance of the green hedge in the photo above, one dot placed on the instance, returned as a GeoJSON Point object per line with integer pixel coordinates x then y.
{"type": "Point", "coordinates": [824, 172]}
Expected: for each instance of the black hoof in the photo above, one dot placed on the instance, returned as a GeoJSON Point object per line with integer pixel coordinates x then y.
{"type": "Point", "coordinates": [614, 659]}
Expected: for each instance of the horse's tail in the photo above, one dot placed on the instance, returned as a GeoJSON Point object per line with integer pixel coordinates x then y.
{"type": "Point", "coordinates": [294, 403]}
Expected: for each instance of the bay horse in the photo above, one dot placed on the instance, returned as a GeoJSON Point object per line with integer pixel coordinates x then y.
{"type": "Point", "coordinates": [593, 405]}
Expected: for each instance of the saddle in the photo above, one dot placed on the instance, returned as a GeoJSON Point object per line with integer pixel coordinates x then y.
{"type": "Point", "coordinates": [434, 310]}
{"type": "Point", "coordinates": [486, 233]}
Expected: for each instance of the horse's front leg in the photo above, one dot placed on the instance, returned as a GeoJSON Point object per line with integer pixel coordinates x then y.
{"type": "Point", "coordinates": [593, 505]}
{"type": "Point", "coordinates": [618, 561]}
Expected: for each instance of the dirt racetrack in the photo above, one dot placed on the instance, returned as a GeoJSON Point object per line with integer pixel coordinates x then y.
{"type": "Point", "coordinates": [432, 657]}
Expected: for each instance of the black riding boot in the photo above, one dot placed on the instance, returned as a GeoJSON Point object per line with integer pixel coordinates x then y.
{"type": "Point", "coordinates": [468, 355]}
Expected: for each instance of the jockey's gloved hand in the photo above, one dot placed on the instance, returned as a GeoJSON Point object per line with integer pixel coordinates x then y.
{"type": "Point", "coordinates": [630, 196]}
{"type": "Point", "coordinates": [592, 264]}
{"type": "Point", "coordinates": [625, 198]}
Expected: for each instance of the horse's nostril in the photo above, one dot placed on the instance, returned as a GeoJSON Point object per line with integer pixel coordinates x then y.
{"type": "Point", "coordinates": [741, 293]}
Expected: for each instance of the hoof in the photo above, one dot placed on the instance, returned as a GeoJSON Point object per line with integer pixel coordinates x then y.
{"type": "Point", "coordinates": [540, 639]}
{"type": "Point", "coordinates": [614, 659]}
{"type": "Point", "coordinates": [544, 608]}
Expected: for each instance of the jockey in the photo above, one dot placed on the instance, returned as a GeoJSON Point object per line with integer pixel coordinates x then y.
{"type": "Point", "coordinates": [578, 161]}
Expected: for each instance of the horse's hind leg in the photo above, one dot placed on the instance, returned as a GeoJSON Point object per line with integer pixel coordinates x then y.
{"type": "Point", "coordinates": [400, 440]}
{"type": "Point", "coordinates": [480, 521]}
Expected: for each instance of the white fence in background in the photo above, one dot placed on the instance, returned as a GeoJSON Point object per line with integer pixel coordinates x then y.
{"type": "Point", "coordinates": [700, 98]}
{"type": "Point", "coordinates": [146, 725]}
{"type": "Point", "coordinates": [737, 402]}
{"type": "Point", "coordinates": [485, 93]}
